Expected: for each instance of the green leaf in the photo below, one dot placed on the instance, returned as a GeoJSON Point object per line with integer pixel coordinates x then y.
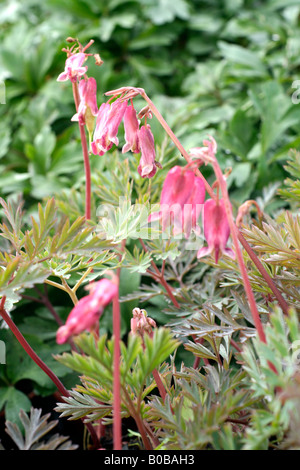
{"type": "Point", "coordinates": [242, 56]}
{"type": "Point", "coordinates": [166, 11]}
{"type": "Point", "coordinates": [17, 401]}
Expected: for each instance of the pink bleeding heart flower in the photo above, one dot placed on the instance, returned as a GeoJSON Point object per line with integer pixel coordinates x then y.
{"type": "Point", "coordinates": [147, 167]}
{"type": "Point", "coordinates": [88, 101]}
{"type": "Point", "coordinates": [131, 128]}
{"type": "Point", "coordinates": [109, 118]}
{"type": "Point", "coordinates": [181, 201]}
{"type": "Point", "coordinates": [86, 313]}
{"type": "Point", "coordinates": [216, 230]}
{"type": "Point", "coordinates": [73, 68]}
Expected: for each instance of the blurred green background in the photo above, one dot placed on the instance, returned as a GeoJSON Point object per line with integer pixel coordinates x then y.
{"type": "Point", "coordinates": [220, 67]}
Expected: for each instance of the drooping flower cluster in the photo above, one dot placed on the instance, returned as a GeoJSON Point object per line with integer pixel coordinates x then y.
{"type": "Point", "coordinates": [108, 121]}
{"type": "Point", "coordinates": [182, 202]}
{"type": "Point", "coordinates": [183, 193]}
{"type": "Point", "coordinates": [137, 139]}
{"type": "Point", "coordinates": [86, 313]}
{"type": "Point", "coordinates": [109, 117]}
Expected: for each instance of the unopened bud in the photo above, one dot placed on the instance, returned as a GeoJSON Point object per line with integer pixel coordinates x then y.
{"type": "Point", "coordinates": [141, 323]}
{"type": "Point", "coordinates": [98, 60]}
{"type": "Point", "coordinates": [145, 112]}
{"type": "Point", "coordinates": [70, 39]}
{"type": "Point", "coordinates": [244, 209]}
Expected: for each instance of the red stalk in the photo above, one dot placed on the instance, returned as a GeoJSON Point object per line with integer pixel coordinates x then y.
{"type": "Point", "coordinates": [283, 304]}
{"type": "Point", "coordinates": [233, 230]}
{"type": "Point", "coordinates": [30, 351]}
{"type": "Point", "coordinates": [86, 159]}
{"type": "Point", "coordinates": [117, 424]}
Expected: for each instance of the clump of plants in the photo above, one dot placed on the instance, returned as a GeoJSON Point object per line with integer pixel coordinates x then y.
{"type": "Point", "coordinates": [202, 354]}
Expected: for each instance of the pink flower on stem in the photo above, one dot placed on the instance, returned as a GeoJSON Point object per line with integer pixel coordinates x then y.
{"type": "Point", "coordinates": [147, 167]}
{"type": "Point", "coordinates": [181, 201]}
{"type": "Point", "coordinates": [88, 101]}
{"type": "Point", "coordinates": [216, 230]}
{"type": "Point", "coordinates": [131, 127]}
{"type": "Point", "coordinates": [86, 313]}
{"type": "Point", "coordinates": [73, 68]}
{"type": "Point", "coordinates": [109, 118]}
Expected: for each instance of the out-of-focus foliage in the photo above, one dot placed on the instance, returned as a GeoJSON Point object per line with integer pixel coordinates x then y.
{"type": "Point", "coordinates": [222, 67]}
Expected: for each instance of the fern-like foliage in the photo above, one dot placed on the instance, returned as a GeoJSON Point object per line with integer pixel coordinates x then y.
{"type": "Point", "coordinates": [94, 397]}
{"type": "Point", "coordinates": [274, 423]}
{"type": "Point", "coordinates": [292, 192]}
{"type": "Point", "coordinates": [47, 245]}
{"type": "Point", "coordinates": [193, 416]}
{"type": "Point", "coordinates": [35, 427]}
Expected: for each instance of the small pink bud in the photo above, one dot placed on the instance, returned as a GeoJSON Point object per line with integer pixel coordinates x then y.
{"type": "Point", "coordinates": [244, 209]}
{"type": "Point", "coordinates": [147, 167]}
{"type": "Point", "coordinates": [141, 323]}
{"type": "Point", "coordinates": [70, 39]}
{"type": "Point", "coordinates": [98, 60]}
{"type": "Point", "coordinates": [73, 68]}
{"type": "Point", "coordinates": [131, 127]}
{"type": "Point", "coordinates": [216, 230]}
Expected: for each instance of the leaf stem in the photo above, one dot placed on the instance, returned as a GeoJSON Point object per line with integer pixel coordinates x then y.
{"type": "Point", "coordinates": [160, 275]}
{"type": "Point", "coordinates": [78, 284]}
{"type": "Point", "coordinates": [68, 289]}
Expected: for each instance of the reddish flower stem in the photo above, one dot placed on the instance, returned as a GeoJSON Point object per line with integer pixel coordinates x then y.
{"type": "Point", "coordinates": [160, 385]}
{"type": "Point", "coordinates": [235, 238]}
{"type": "Point", "coordinates": [86, 159]}
{"type": "Point", "coordinates": [117, 424]}
{"type": "Point", "coordinates": [29, 349]}
{"type": "Point", "coordinates": [283, 304]}
{"type": "Point", "coordinates": [240, 259]}
{"type": "Point", "coordinates": [160, 276]}
{"type": "Point", "coordinates": [139, 422]}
